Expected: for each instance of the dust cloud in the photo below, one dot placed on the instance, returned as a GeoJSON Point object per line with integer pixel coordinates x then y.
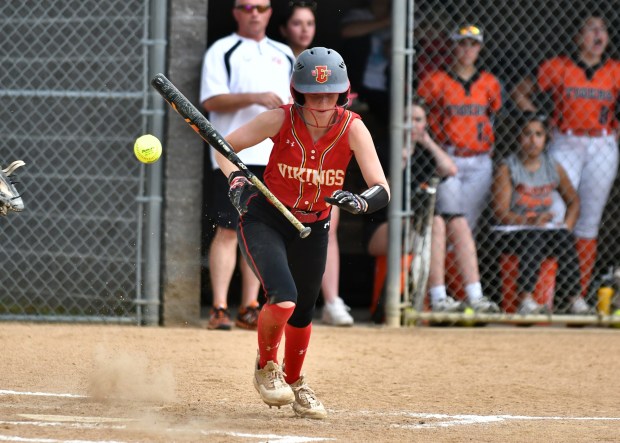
{"type": "Point", "coordinates": [130, 376]}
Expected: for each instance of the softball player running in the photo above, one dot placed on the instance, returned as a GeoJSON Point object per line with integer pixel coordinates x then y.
{"type": "Point", "coordinates": [584, 88]}
{"type": "Point", "coordinates": [314, 139]}
{"type": "Point", "coordinates": [462, 100]}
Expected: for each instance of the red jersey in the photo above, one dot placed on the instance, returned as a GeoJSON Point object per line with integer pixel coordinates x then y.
{"type": "Point", "coordinates": [584, 97]}
{"type": "Point", "coordinates": [460, 111]}
{"type": "Point", "coordinates": [301, 172]}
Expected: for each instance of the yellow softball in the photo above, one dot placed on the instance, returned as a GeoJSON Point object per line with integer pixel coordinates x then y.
{"type": "Point", "coordinates": [147, 148]}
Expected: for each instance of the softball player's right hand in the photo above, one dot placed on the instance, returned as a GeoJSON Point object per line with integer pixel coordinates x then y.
{"type": "Point", "coordinates": [241, 191]}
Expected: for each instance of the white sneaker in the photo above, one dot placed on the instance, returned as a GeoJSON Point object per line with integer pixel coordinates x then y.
{"type": "Point", "coordinates": [529, 307]}
{"type": "Point", "coordinates": [447, 304]}
{"type": "Point", "coordinates": [306, 404]}
{"type": "Point", "coordinates": [483, 304]}
{"type": "Point", "coordinates": [580, 307]}
{"type": "Point", "coordinates": [270, 384]}
{"type": "Point", "coordinates": [337, 313]}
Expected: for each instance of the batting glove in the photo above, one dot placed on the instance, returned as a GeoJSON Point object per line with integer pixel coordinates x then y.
{"type": "Point", "coordinates": [353, 203]}
{"type": "Point", "coordinates": [241, 191]}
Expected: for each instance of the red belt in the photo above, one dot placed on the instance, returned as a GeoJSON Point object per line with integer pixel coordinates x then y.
{"type": "Point", "coordinates": [309, 217]}
{"type": "Point", "coordinates": [588, 132]}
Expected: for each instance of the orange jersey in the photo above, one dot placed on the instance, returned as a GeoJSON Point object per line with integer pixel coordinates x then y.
{"type": "Point", "coordinates": [300, 171]}
{"type": "Point", "coordinates": [584, 97]}
{"type": "Point", "coordinates": [460, 111]}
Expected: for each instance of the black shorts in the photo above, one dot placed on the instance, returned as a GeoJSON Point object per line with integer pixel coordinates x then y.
{"type": "Point", "coordinates": [222, 210]}
{"type": "Point", "coordinates": [289, 268]}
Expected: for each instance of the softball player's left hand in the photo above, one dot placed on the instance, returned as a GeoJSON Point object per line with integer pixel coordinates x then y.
{"type": "Point", "coordinates": [241, 191]}
{"type": "Point", "coordinates": [350, 202]}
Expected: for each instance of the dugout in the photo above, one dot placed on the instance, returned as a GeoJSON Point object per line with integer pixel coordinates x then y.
{"type": "Point", "coordinates": [516, 39]}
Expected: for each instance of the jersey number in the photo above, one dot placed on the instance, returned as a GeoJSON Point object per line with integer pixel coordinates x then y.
{"type": "Point", "coordinates": [480, 130]}
{"type": "Point", "coordinates": [604, 115]}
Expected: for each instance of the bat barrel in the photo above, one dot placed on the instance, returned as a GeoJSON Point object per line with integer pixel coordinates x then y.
{"type": "Point", "coordinates": [199, 123]}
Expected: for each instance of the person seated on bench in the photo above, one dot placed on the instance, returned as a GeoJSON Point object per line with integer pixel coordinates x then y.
{"type": "Point", "coordinates": [428, 159]}
{"type": "Point", "coordinates": [522, 205]}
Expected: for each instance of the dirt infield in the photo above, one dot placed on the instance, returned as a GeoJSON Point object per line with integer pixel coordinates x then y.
{"type": "Point", "coordinates": [95, 383]}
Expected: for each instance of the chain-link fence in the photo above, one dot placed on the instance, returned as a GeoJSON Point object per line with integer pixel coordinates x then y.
{"type": "Point", "coordinates": [523, 96]}
{"type": "Point", "coordinates": [72, 82]}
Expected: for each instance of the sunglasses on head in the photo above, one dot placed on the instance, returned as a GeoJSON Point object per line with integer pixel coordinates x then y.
{"type": "Point", "coordinates": [470, 30]}
{"type": "Point", "coordinates": [250, 8]}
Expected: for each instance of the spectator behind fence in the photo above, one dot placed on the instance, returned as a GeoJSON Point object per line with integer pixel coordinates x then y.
{"type": "Point", "coordinates": [433, 45]}
{"type": "Point", "coordinates": [428, 159]}
{"type": "Point", "coordinates": [584, 87]}
{"type": "Point", "coordinates": [462, 101]}
{"type": "Point", "coordinates": [243, 75]}
{"type": "Point", "coordinates": [366, 34]}
{"type": "Point", "coordinates": [522, 205]}
{"type": "Point", "coordinates": [318, 133]}
{"type": "Point", "coordinates": [298, 27]}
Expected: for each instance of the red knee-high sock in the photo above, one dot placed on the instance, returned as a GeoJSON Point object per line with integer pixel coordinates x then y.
{"type": "Point", "coordinates": [295, 348]}
{"type": "Point", "coordinates": [271, 322]}
{"type": "Point", "coordinates": [586, 250]}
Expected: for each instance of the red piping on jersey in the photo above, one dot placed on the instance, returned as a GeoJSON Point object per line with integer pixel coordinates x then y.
{"type": "Point", "coordinates": [329, 148]}
{"type": "Point", "coordinates": [303, 153]}
{"type": "Point", "coordinates": [303, 149]}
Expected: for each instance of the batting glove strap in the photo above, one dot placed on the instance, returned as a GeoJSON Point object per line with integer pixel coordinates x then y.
{"type": "Point", "coordinates": [376, 198]}
{"type": "Point", "coordinates": [234, 175]}
{"type": "Point", "coordinates": [348, 201]}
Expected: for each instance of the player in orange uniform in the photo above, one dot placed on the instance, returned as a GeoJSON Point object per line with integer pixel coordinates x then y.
{"type": "Point", "coordinates": [584, 88]}
{"type": "Point", "coordinates": [314, 140]}
{"type": "Point", "coordinates": [462, 100]}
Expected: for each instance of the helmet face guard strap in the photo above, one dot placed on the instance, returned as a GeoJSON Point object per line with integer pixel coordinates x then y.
{"type": "Point", "coordinates": [320, 71]}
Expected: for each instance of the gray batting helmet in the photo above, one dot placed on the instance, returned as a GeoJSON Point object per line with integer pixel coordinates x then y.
{"type": "Point", "coordinates": [320, 71]}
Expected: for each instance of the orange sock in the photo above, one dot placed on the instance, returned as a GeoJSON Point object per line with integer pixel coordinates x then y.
{"type": "Point", "coordinates": [271, 322]}
{"type": "Point", "coordinates": [295, 348]}
{"type": "Point", "coordinates": [379, 281]}
{"type": "Point", "coordinates": [586, 251]}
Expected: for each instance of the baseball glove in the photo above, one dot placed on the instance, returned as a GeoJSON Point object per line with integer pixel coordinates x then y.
{"type": "Point", "coordinates": [10, 200]}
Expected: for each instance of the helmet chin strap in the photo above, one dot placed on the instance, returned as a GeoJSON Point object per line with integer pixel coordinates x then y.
{"type": "Point", "coordinates": [337, 112]}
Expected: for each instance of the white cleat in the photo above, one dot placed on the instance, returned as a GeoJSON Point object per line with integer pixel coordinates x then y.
{"type": "Point", "coordinates": [270, 384]}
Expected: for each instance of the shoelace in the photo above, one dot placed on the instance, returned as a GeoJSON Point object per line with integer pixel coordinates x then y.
{"type": "Point", "coordinates": [276, 377]}
{"type": "Point", "coordinates": [219, 312]}
{"type": "Point", "coordinates": [14, 182]}
{"type": "Point", "coordinates": [249, 311]}
{"type": "Point", "coordinates": [12, 178]}
{"type": "Point", "coordinates": [307, 392]}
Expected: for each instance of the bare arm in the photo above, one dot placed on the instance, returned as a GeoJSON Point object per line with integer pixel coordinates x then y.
{"type": "Point", "coordinates": [502, 193]}
{"type": "Point", "coordinates": [263, 126]}
{"type": "Point", "coordinates": [365, 153]}
{"type": "Point", "coordinates": [523, 94]}
{"type": "Point", "coordinates": [234, 102]}
{"type": "Point", "coordinates": [570, 197]}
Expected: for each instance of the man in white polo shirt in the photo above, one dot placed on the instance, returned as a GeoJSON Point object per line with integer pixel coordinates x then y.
{"type": "Point", "coordinates": [243, 75]}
